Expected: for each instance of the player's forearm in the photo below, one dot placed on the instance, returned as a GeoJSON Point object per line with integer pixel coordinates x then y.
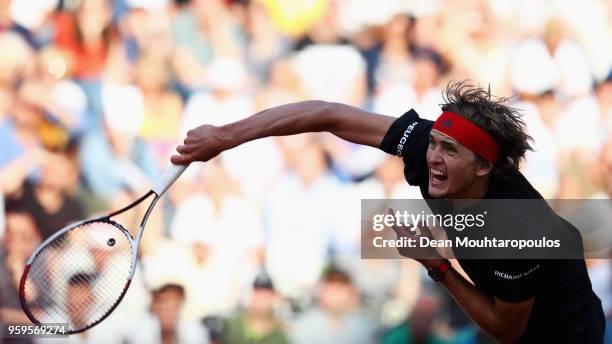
{"type": "Point", "coordinates": [288, 119]}
{"type": "Point", "coordinates": [347, 122]}
{"type": "Point", "coordinates": [480, 307]}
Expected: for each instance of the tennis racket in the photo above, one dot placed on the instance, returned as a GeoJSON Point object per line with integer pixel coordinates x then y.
{"type": "Point", "coordinates": [79, 275]}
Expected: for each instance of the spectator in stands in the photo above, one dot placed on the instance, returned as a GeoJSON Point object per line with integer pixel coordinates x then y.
{"type": "Point", "coordinates": [221, 228]}
{"type": "Point", "coordinates": [19, 130]}
{"type": "Point", "coordinates": [164, 324]}
{"type": "Point", "coordinates": [162, 106]}
{"type": "Point", "coordinates": [295, 261]}
{"type": "Point", "coordinates": [426, 324]}
{"type": "Point", "coordinates": [21, 238]}
{"type": "Point", "coordinates": [87, 35]}
{"type": "Point", "coordinates": [257, 323]}
{"type": "Point", "coordinates": [117, 158]}
{"type": "Point", "coordinates": [51, 200]}
{"type": "Point", "coordinates": [337, 317]}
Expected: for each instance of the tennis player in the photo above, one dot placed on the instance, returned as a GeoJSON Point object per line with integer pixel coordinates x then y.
{"type": "Point", "coordinates": [472, 151]}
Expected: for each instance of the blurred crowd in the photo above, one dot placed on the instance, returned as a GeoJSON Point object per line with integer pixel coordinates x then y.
{"type": "Point", "coordinates": [262, 244]}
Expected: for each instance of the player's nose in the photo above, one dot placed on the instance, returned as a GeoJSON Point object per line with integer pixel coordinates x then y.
{"type": "Point", "coordinates": [434, 155]}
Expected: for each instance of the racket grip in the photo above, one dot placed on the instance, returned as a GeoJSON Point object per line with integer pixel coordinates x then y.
{"type": "Point", "coordinates": [168, 178]}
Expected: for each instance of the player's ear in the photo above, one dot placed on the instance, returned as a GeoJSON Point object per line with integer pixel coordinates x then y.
{"type": "Point", "coordinates": [483, 167]}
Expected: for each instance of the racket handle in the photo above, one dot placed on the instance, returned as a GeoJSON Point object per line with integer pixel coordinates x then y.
{"type": "Point", "coordinates": [168, 178]}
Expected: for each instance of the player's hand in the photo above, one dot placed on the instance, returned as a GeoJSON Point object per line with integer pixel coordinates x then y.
{"type": "Point", "coordinates": [201, 144]}
{"type": "Point", "coordinates": [418, 252]}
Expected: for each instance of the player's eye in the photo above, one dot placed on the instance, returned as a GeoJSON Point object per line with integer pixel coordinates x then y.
{"type": "Point", "coordinates": [450, 149]}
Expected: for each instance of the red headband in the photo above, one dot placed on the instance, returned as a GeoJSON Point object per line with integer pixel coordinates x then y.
{"type": "Point", "coordinates": [468, 134]}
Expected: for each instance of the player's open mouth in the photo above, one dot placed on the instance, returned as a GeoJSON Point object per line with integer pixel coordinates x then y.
{"type": "Point", "coordinates": [437, 176]}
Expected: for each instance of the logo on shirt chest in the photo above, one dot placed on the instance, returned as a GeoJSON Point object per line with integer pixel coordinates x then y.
{"type": "Point", "coordinates": [404, 139]}
{"type": "Point", "coordinates": [507, 276]}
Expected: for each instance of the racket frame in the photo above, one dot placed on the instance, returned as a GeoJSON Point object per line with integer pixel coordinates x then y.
{"type": "Point", "coordinates": [134, 243]}
{"type": "Point", "coordinates": [167, 179]}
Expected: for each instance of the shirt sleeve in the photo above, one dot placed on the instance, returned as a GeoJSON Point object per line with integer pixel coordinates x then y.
{"type": "Point", "coordinates": [408, 138]}
{"type": "Point", "coordinates": [516, 280]}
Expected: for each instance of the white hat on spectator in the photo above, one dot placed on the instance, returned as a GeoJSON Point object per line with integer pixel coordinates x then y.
{"type": "Point", "coordinates": [31, 14]}
{"type": "Point", "coordinates": [149, 5]}
{"type": "Point", "coordinates": [228, 74]}
{"type": "Point", "coordinates": [123, 107]}
{"type": "Point", "coordinates": [330, 72]}
{"type": "Point", "coordinates": [70, 97]}
{"type": "Point", "coordinates": [532, 69]}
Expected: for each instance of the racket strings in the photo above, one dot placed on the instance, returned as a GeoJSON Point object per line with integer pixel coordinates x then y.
{"type": "Point", "coordinates": [84, 272]}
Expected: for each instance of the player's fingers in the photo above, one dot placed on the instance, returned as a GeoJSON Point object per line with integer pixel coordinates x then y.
{"type": "Point", "coordinates": [183, 149]}
{"type": "Point", "coordinates": [189, 140]}
{"type": "Point", "coordinates": [425, 231]}
{"type": "Point", "coordinates": [180, 159]}
{"type": "Point", "coordinates": [399, 230]}
{"type": "Point", "coordinates": [391, 212]}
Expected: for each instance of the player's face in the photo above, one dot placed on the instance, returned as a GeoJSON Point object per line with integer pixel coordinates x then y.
{"type": "Point", "coordinates": [453, 169]}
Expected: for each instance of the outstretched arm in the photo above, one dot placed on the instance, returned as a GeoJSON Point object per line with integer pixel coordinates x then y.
{"type": "Point", "coordinates": [349, 123]}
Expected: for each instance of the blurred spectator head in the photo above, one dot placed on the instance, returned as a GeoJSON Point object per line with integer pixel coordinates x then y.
{"type": "Point", "coordinates": [31, 112]}
{"type": "Point", "coordinates": [22, 235]}
{"type": "Point", "coordinates": [79, 298]}
{"type": "Point", "coordinates": [226, 75]}
{"type": "Point", "coordinates": [209, 12]}
{"type": "Point", "coordinates": [549, 107]}
{"type": "Point", "coordinates": [337, 294]}
{"type": "Point", "coordinates": [148, 24]}
{"type": "Point", "coordinates": [310, 162]}
{"type": "Point", "coordinates": [429, 65]}
{"type": "Point", "coordinates": [425, 313]}
{"type": "Point", "coordinates": [123, 108]}
{"type": "Point", "coordinates": [554, 31]}
{"type": "Point", "coordinates": [263, 297]}
{"type": "Point", "coordinates": [284, 76]}
{"type": "Point", "coordinates": [152, 72]}
{"type": "Point", "coordinates": [326, 29]}
{"type": "Point", "coordinates": [399, 28]}
{"type": "Point", "coordinates": [16, 60]}
{"type": "Point", "coordinates": [59, 173]}
{"type": "Point", "coordinates": [217, 181]}
{"type": "Point", "coordinates": [94, 20]}
{"type": "Point", "coordinates": [166, 305]}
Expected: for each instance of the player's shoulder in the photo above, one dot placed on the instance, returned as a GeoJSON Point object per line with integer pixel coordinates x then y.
{"type": "Point", "coordinates": [403, 130]}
